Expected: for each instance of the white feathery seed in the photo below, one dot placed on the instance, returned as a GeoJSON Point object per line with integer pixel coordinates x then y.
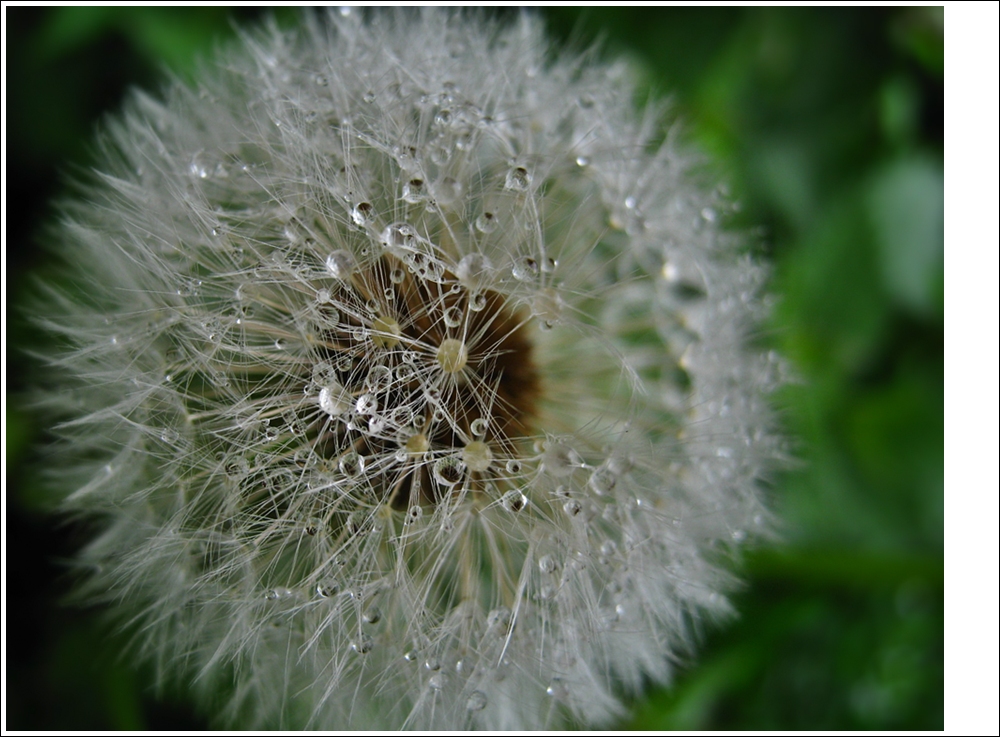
{"type": "Point", "coordinates": [410, 374]}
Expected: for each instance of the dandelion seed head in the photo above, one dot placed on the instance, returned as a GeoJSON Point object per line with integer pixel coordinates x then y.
{"type": "Point", "coordinates": [417, 378]}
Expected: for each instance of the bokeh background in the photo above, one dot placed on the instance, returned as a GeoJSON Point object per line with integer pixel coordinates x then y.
{"type": "Point", "coordinates": [827, 123]}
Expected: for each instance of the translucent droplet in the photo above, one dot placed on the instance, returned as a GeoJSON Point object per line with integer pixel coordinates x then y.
{"type": "Point", "coordinates": [437, 681]}
{"type": "Point", "coordinates": [362, 213]}
{"type": "Point", "coordinates": [326, 589]}
{"type": "Point", "coordinates": [414, 514]}
{"type": "Point", "coordinates": [399, 235]}
{"type": "Point", "coordinates": [477, 455]}
{"type": "Point", "coordinates": [560, 459]}
{"type": "Point", "coordinates": [739, 536]}
{"type": "Point", "coordinates": [473, 270]}
{"type": "Point", "coordinates": [352, 464]}
{"type": "Point", "coordinates": [340, 264]}
{"type": "Point", "coordinates": [572, 508]}
{"type": "Point", "coordinates": [476, 702]}
{"type": "Point", "coordinates": [518, 179]}
{"type": "Point", "coordinates": [487, 222]}
{"type": "Point", "coordinates": [514, 501]}
{"type": "Point", "coordinates": [369, 97]}
{"type": "Point", "coordinates": [323, 296]}
{"type": "Point", "coordinates": [397, 275]}
{"type": "Point", "coordinates": [498, 619]}
{"type": "Point", "coordinates": [363, 645]}
{"type": "Point", "coordinates": [525, 269]}
{"type": "Point", "coordinates": [547, 564]}
{"type": "Point", "coordinates": [514, 466]}
{"type": "Point", "coordinates": [602, 481]}
{"type": "Point", "coordinates": [453, 316]}
{"type": "Point", "coordinates": [582, 161]}
{"type": "Point", "coordinates": [448, 471]}
{"type": "Point", "coordinates": [372, 615]}
{"type": "Point", "coordinates": [334, 399]}
{"type": "Point", "coordinates": [448, 190]}
{"type": "Point", "coordinates": [379, 378]}
{"type": "Point", "coordinates": [414, 190]}
{"type": "Point", "coordinates": [477, 301]}
{"type": "Point", "coordinates": [366, 404]}
{"type": "Point", "coordinates": [432, 664]}
{"type": "Point", "coordinates": [479, 426]}
{"type": "Point", "coordinates": [557, 689]}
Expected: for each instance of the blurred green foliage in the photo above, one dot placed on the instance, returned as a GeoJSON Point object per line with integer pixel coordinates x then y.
{"type": "Point", "coordinates": [828, 123]}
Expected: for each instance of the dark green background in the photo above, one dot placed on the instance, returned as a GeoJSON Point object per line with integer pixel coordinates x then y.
{"type": "Point", "coordinates": [828, 123]}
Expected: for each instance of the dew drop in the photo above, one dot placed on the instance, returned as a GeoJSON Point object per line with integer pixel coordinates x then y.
{"type": "Point", "coordinates": [518, 179]}
{"type": "Point", "coordinates": [363, 645]}
{"type": "Point", "coordinates": [362, 213]}
{"type": "Point", "coordinates": [399, 235]}
{"type": "Point", "coordinates": [476, 702]}
{"type": "Point", "coordinates": [366, 404]}
{"type": "Point", "coordinates": [514, 466]}
{"type": "Point", "coordinates": [473, 269]}
{"type": "Point", "coordinates": [369, 97]}
{"type": "Point", "coordinates": [340, 264]}
{"type": "Point", "coordinates": [547, 564]}
{"type": "Point", "coordinates": [437, 681]}
{"type": "Point", "coordinates": [557, 689]}
{"type": "Point", "coordinates": [479, 426]}
{"type": "Point", "coordinates": [372, 615]}
{"type": "Point", "coordinates": [448, 190]}
{"type": "Point", "coordinates": [379, 378]}
{"type": "Point", "coordinates": [560, 459]}
{"type": "Point", "coordinates": [352, 464]}
{"type": "Point", "coordinates": [572, 508]}
{"type": "Point", "coordinates": [397, 276]}
{"type": "Point", "coordinates": [323, 296]}
{"type": "Point", "coordinates": [477, 301]}
{"type": "Point", "coordinates": [326, 589]}
{"type": "Point", "coordinates": [414, 190]}
{"type": "Point", "coordinates": [602, 481]}
{"type": "Point", "coordinates": [582, 161]}
{"type": "Point", "coordinates": [448, 471]}
{"type": "Point", "coordinates": [453, 316]}
{"type": "Point", "coordinates": [525, 269]}
{"type": "Point", "coordinates": [487, 222]}
{"type": "Point", "coordinates": [334, 400]}
{"type": "Point", "coordinates": [514, 501]}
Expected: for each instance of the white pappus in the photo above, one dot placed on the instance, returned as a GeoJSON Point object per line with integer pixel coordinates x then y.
{"type": "Point", "coordinates": [409, 370]}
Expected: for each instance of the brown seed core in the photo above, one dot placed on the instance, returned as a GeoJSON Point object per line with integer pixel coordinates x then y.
{"type": "Point", "coordinates": [451, 365]}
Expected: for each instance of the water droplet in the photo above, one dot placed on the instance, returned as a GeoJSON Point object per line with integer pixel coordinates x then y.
{"type": "Point", "coordinates": [518, 179]}
{"type": "Point", "coordinates": [362, 213]}
{"type": "Point", "coordinates": [479, 426]}
{"type": "Point", "coordinates": [560, 459]}
{"type": "Point", "coordinates": [334, 399]}
{"type": "Point", "coordinates": [432, 664]}
{"type": "Point", "coordinates": [414, 190]}
{"type": "Point", "coordinates": [448, 190]}
{"type": "Point", "coordinates": [340, 264]}
{"type": "Point", "coordinates": [487, 222]}
{"type": "Point", "coordinates": [514, 501]}
{"type": "Point", "coordinates": [453, 316]}
{"type": "Point", "coordinates": [473, 269]}
{"type": "Point", "coordinates": [366, 404]}
{"type": "Point", "coordinates": [557, 689]}
{"type": "Point", "coordinates": [448, 471]}
{"type": "Point", "coordinates": [547, 564]}
{"type": "Point", "coordinates": [709, 214]}
{"type": "Point", "coordinates": [739, 536]}
{"type": "Point", "coordinates": [396, 276]}
{"type": "Point", "coordinates": [572, 508]}
{"type": "Point", "coordinates": [352, 464]}
{"type": "Point", "coordinates": [477, 455]}
{"type": "Point", "coordinates": [582, 161]}
{"type": "Point", "coordinates": [326, 589]}
{"type": "Point", "coordinates": [525, 268]}
{"type": "Point", "coordinates": [379, 378]}
{"type": "Point", "coordinates": [437, 681]}
{"type": "Point", "coordinates": [372, 615]}
{"type": "Point", "coordinates": [363, 645]}
{"type": "Point", "coordinates": [602, 481]}
{"type": "Point", "coordinates": [369, 97]}
{"type": "Point", "coordinates": [498, 619]}
{"type": "Point", "coordinates": [477, 301]}
{"type": "Point", "coordinates": [323, 296]}
{"type": "Point", "coordinates": [476, 702]}
{"type": "Point", "coordinates": [399, 235]}
{"type": "Point", "coordinates": [514, 466]}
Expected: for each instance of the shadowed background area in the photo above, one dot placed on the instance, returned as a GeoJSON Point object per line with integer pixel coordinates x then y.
{"type": "Point", "coordinates": [827, 124]}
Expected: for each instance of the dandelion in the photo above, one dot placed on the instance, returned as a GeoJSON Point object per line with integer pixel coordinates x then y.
{"type": "Point", "coordinates": [410, 376]}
